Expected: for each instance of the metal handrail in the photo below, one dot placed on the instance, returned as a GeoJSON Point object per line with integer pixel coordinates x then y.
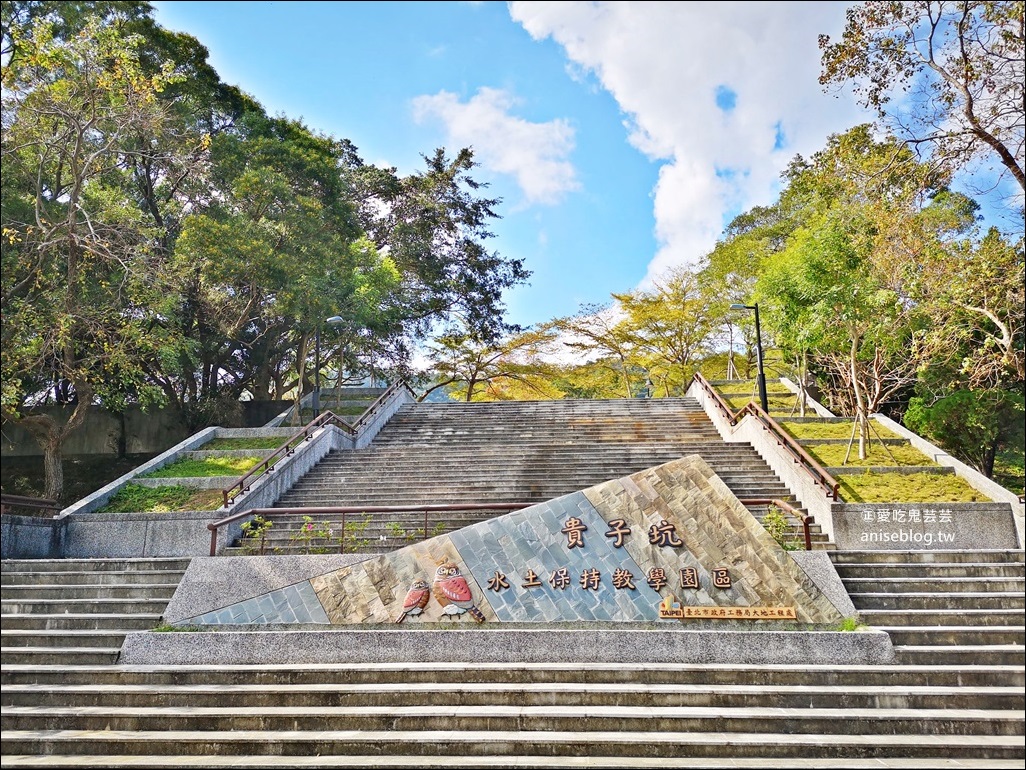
{"type": "Point", "coordinates": [803, 458]}
{"type": "Point", "coordinates": [720, 402]}
{"type": "Point", "coordinates": [20, 501]}
{"type": "Point", "coordinates": [214, 526]}
{"type": "Point", "coordinates": [786, 506]}
{"type": "Point", "coordinates": [379, 402]}
{"type": "Point", "coordinates": [288, 448]}
{"type": "Point", "coordinates": [353, 429]}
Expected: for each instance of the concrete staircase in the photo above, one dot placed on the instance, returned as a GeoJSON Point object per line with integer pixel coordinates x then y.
{"type": "Point", "coordinates": [943, 704]}
{"type": "Point", "coordinates": [957, 608]}
{"type": "Point", "coordinates": [77, 611]}
{"type": "Point", "coordinates": [507, 452]}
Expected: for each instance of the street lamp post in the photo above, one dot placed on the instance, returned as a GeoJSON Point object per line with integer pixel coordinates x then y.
{"type": "Point", "coordinates": [333, 320]}
{"type": "Point", "coordinates": [317, 373]}
{"type": "Point", "coordinates": [761, 379]}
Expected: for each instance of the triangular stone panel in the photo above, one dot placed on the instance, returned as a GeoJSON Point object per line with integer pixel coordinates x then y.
{"type": "Point", "coordinates": [668, 542]}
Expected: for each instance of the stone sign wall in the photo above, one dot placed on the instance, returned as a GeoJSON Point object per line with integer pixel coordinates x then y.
{"type": "Point", "coordinates": [653, 545]}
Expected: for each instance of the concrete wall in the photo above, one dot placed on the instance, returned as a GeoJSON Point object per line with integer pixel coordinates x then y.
{"type": "Point", "coordinates": [91, 534]}
{"type": "Point", "coordinates": [145, 432]}
{"type": "Point", "coordinates": [30, 537]}
{"type": "Point", "coordinates": [973, 477]}
{"type": "Point", "coordinates": [982, 525]}
{"type": "Point", "coordinates": [924, 526]}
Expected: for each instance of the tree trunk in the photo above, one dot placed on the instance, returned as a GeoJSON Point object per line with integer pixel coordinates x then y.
{"type": "Point", "coordinates": [988, 460]}
{"type": "Point", "coordinates": [50, 435]}
{"type": "Point", "coordinates": [861, 413]}
{"type": "Point", "coordinates": [53, 467]}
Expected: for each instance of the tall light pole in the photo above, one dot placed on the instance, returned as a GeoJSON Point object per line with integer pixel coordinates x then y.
{"type": "Point", "coordinates": [761, 379]}
{"type": "Point", "coordinates": [317, 373]}
{"type": "Point", "coordinates": [333, 320]}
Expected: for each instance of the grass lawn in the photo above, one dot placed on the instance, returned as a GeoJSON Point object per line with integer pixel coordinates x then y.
{"type": "Point", "coordinates": [832, 455]}
{"type": "Point", "coordinates": [813, 430]}
{"type": "Point", "coordinates": [256, 442]}
{"type": "Point", "coordinates": [133, 498]}
{"type": "Point", "coordinates": [214, 466]}
{"type": "Point", "coordinates": [908, 488]}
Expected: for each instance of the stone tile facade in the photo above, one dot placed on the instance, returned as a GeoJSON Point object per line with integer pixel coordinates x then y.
{"type": "Point", "coordinates": [613, 552]}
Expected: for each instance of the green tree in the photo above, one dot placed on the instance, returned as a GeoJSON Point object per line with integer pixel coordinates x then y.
{"type": "Point", "coordinates": [598, 335]}
{"type": "Point", "coordinates": [946, 74]}
{"type": "Point", "coordinates": [434, 226]}
{"type": "Point", "coordinates": [272, 255]}
{"type": "Point", "coordinates": [79, 287]}
{"type": "Point", "coordinates": [974, 292]}
{"type": "Point", "coordinates": [515, 367]}
{"type": "Point", "coordinates": [828, 292]}
{"type": "Point", "coordinates": [670, 325]}
{"type": "Point", "coordinates": [973, 425]}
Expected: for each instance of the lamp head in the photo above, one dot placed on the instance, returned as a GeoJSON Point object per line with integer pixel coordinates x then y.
{"type": "Point", "coordinates": [335, 319]}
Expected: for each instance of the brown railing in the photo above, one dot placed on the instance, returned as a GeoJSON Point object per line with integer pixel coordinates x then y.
{"type": "Point", "coordinates": [242, 484]}
{"type": "Point", "coordinates": [356, 509]}
{"type": "Point", "coordinates": [803, 458]}
{"type": "Point", "coordinates": [18, 501]}
{"type": "Point", "coordinates": [371, 410]}
{"type": "Point", "coordinates": [720, 402]}
{"type": "Point", "coordinates": [788, 508]}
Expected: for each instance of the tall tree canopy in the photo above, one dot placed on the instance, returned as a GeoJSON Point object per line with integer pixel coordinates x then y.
{"type": "Point", "coordinates": [949, 75]}
{"type": "Point", "coordinates": [80, 283]}
{"type": "Point", "coordinates": [166, 241]}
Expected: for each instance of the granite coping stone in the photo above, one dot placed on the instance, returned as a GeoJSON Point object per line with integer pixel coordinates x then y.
{"type": "Point", "coordinates": [589, 642]}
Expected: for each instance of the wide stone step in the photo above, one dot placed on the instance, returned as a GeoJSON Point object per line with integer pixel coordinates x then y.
{"type": "Point", "coordinates": [349, 488]}
{"type": "Point", "coordinates": [57, 638]}
{"type": "Point", "coordinates": [501, 469]}
{"type": "Point", "coordinates": [81, 621]}
{"type": "Point", "coordinates": [967, 656]}
{"type": "Point", "coordinates": [450, 448]}
{"type": "Point", "coordinates": [941, 585]}
{"type": "Point", "coordinates": [95, 565]}
{"type": "Point", "coordinates": [427, 762]}
{"type": "Point", "coordinates": [427, 454]}
{"type": "Point", "coordinates": [955, 601]}
{"type": "Point", "coordinates": [681, 719]}
{"type": "Point", "coordinates": [90, 577]}
{"type": "Point", "coordinates": [956, 636]}
{"type": "Point", "coordinates": [453, 497]}
{"type": "Point", "coordinates": [515, 694]}
{"type": "Point", "coordinates": [74, 592]}
{"type": "Point", "coordinates": [940, 617]}
{"type": "Point", "coordinates": [65, 656]}
{"type": "Point", "coordinates": [447, 743]}
{"type": "Point", "coordinates": [975, 557]}
{"type": "Point", "coordinates": [364, 479]}
{"type": "Point", "coordinates": [584, 672]}
{"type": "Point", "coordinates": [931, 572]}
{"type": "Point", "coordinates": [53, 606]}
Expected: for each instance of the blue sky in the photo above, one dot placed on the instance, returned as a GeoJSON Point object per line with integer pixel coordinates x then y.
{"type": "Point", "coordinates": [621, 137]}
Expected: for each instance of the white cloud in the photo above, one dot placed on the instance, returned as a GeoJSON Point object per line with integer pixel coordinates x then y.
{"type": "Point", "coordinates": [536, 155]}
{"type": "Point", "coordinates": [666, 63]}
